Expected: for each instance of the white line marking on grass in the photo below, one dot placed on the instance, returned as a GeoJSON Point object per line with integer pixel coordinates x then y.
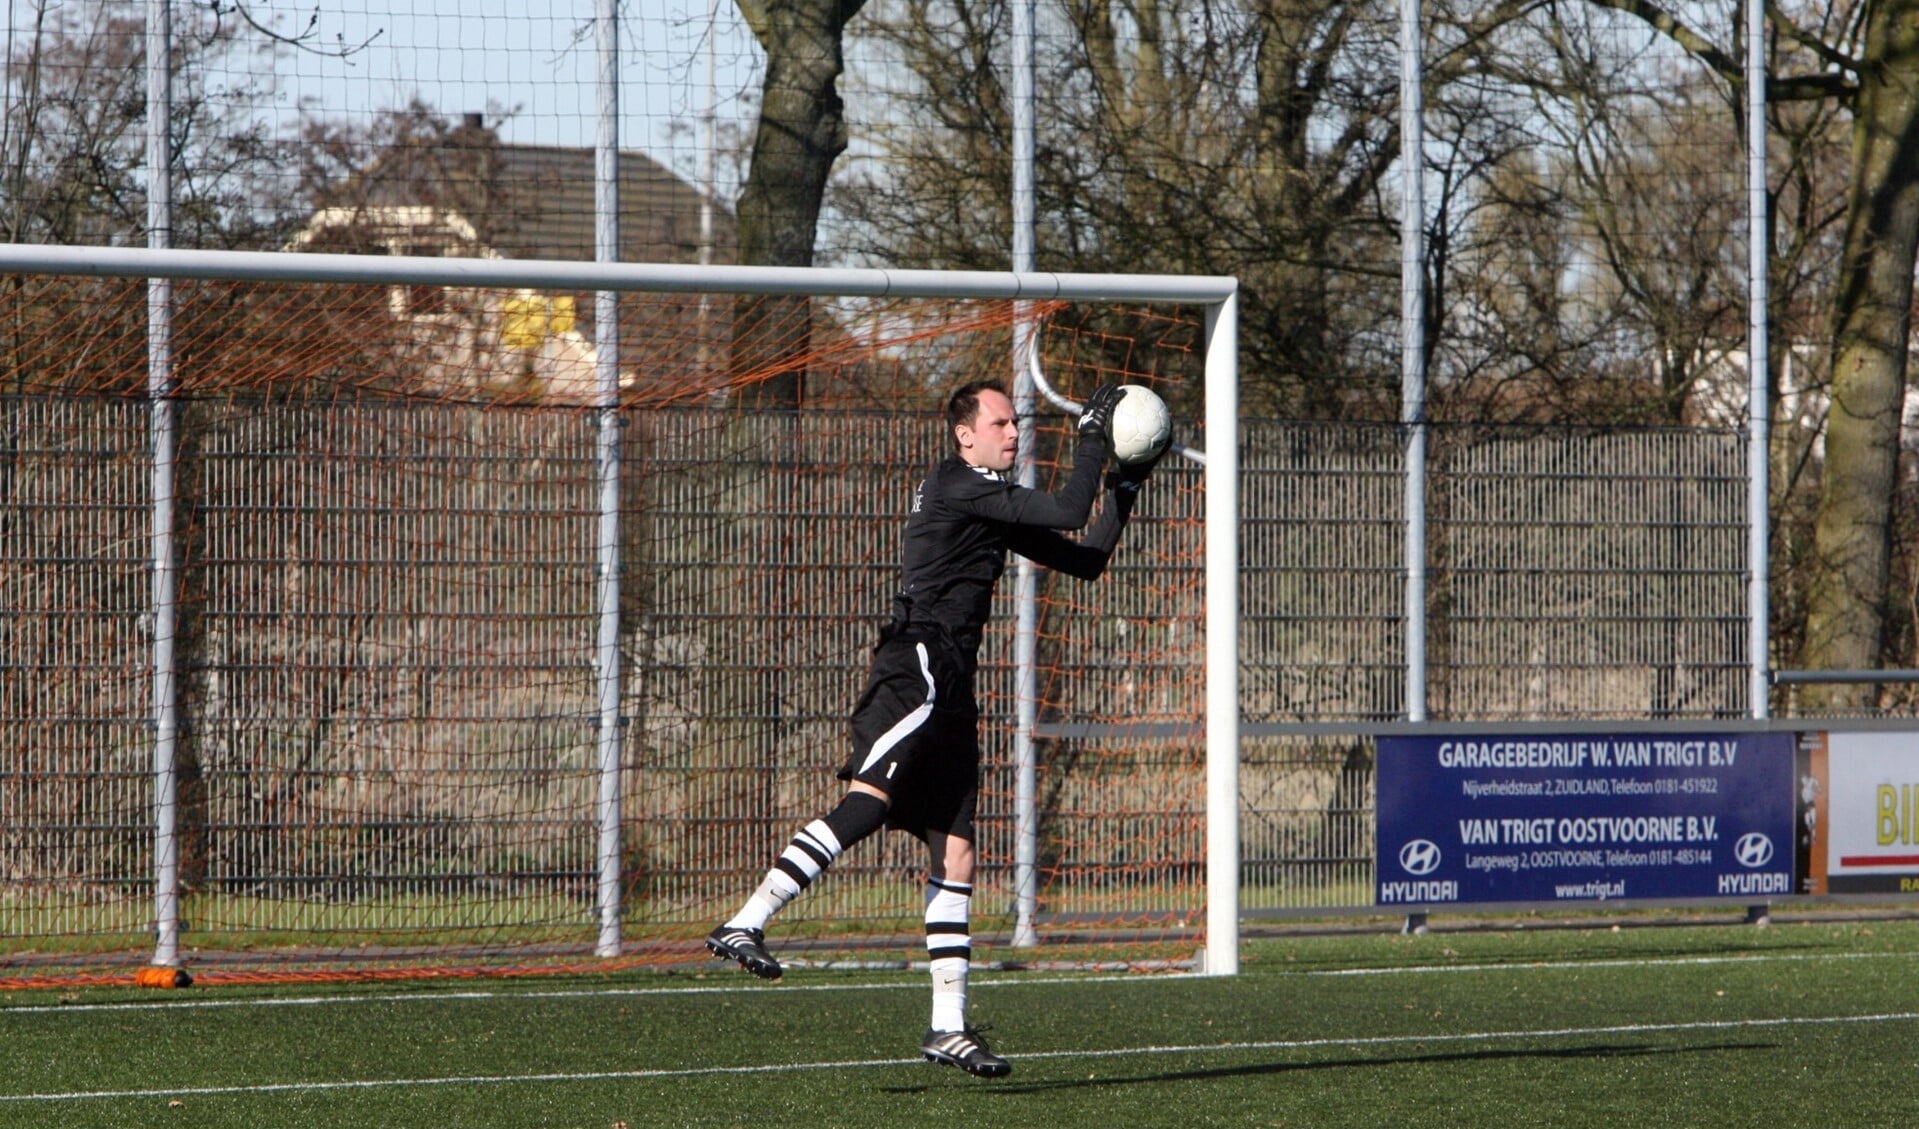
{"type": "Point", "coordinates": [1008, 980]}
{"type": "Point", "coordinates": [1636, 962]}
{"type": "Point", "coordinates": [474, 1080]}
{"type": "Point", "coordinates": [1011, 980]}
{"type": "Point", "coordinates": [1114, 1052]}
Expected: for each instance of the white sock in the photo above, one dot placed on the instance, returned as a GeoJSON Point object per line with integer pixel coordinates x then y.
{"type": "Point", "coordinates": [810, 852]}
{"type": "Point", "coordinates": [949, 944]}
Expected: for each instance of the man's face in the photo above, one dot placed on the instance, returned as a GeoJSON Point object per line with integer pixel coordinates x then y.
{"type": "Point", "coordinates": [992, 439]}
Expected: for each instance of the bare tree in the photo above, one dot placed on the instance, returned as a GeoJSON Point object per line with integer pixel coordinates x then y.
{"type": "Point", "coordinates": [72, 142]}
{"type": "Point", "coordinates": [1604, 276]}
{"type": "Point", "coordinates": [1865, 57]}
{"type": "Point", "coordinates": [1585, 220]}
{"type": "Point", "coordinates": [1257, 139]}
{"type": "Point", "coordinates": [801, 132]}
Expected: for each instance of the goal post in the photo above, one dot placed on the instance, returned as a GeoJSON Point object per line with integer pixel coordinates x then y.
{"type": "Point", "coordinates": [1222, 637]}
{"type": "Point", "coordinates": [1218, 571]}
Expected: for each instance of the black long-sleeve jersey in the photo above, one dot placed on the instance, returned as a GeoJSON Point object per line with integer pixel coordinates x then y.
{"type": "Point", "coordinates": [964, 520]}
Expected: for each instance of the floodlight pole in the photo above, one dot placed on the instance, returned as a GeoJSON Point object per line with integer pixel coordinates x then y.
{"type": "Point", "coordinates": [1758, 364]}
{"type": "Point", "coordinates": [164, 552]}
{"type": "Point", "coordinates": [1026, 575]}
{"type": "Point", "coordinates": [606, 347]}
{"type": "Point", "coordinates": [1758, 396]}
{"type": "Point", "coordinates": [709, 142]}
{"type": "Point", "coordinates": [1412, 331]}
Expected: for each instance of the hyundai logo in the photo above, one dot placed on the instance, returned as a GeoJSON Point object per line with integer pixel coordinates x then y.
{"type": "Point", "coordinates": [1753, 850]}
{"type": "Point", "coordinates": [1421, 856]}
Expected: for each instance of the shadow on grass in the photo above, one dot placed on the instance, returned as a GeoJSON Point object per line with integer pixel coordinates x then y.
{"type": "Point", "coordinates": [1265, 1068]}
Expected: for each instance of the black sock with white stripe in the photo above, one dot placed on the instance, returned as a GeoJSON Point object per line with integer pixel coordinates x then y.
{"type": "Point", "coordinates": [810, 852]}
{"type": "Point", "coordinates": [949, 944]}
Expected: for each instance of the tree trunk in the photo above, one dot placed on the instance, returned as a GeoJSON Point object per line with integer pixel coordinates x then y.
{"type": "Point", "coordinates": [802, 130]}
{"type": "Point", "coordinates": [1849, 567]}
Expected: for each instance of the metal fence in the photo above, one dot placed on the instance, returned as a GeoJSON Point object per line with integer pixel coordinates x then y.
{"type": "Point", "coordinates": [388, 709]}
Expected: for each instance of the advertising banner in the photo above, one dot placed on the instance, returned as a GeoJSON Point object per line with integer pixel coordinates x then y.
{"type": "Point", "coordinates": [1584, 817]}
{"type": "Point", "coordinates": [1860, 807]}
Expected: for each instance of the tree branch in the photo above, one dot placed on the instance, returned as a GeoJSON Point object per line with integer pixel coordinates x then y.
{"type": "Point", "coordinates": [1810, 88]}
{"type": "Point", "coordinates": [304, 40]}
{"type": "Point", "coordinates": [1670, 26]}
{"type": "Point", "coordinates": [1794, 88]}
{"type": "Point", "coordinates": [1826, 52]}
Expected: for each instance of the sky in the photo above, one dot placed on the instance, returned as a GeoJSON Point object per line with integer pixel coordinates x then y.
{"type": "Point", "coordinates": [461, 56]}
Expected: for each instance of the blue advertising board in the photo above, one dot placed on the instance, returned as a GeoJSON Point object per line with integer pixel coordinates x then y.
{"type": "Point", "coordinates": [1584, 818]}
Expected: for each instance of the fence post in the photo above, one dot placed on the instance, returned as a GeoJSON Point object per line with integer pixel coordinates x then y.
{"type": "Point", "coordinates": [166, 726]}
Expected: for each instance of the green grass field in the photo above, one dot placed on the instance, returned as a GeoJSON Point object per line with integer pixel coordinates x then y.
{"type": "Point", "coordinates": [1814, 1023]}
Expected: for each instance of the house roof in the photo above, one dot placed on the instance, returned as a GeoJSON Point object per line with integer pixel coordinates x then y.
{"type": "Point", "coordinates": [537, 202]}
{"type": "Point", "coordinates": [460, 191]}
{"type": "Point", "coordinates": [659, 212]}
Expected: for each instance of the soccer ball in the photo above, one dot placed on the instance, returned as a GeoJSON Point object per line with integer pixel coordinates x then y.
{"type": "Point", "coordinates": [1141, 424]}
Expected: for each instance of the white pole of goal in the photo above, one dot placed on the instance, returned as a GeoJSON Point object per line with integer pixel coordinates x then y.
{"type": "Point", "coordinates": [1222, 638]}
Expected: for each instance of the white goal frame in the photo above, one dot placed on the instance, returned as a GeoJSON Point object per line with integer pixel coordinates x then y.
{"type": "Point", "coordinates": [1217, 296]}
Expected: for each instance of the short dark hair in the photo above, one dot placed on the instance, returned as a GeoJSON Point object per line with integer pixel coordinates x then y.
{"type": "Point", "coordinates": [963, 405]}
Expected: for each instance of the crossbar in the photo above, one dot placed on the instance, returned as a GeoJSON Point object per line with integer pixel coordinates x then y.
{"type": "Point", "coordinates": [547, 274]}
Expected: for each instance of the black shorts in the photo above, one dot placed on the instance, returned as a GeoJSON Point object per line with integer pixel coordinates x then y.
{"type": "Point", "coordinates": [916, 734]}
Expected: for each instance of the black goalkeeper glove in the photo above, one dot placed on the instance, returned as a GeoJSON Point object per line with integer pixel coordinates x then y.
{"type": "Point", "coordinates": [1096, 420]}
{"type": "Point", "coordinates": [1131, 476]}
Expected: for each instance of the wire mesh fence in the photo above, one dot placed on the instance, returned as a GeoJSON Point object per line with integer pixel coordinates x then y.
{"type": "Point", "coordinates": [388, 698]}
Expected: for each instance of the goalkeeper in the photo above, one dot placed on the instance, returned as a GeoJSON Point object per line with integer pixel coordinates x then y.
{"type": "Point", "coordinates": [915, 760]}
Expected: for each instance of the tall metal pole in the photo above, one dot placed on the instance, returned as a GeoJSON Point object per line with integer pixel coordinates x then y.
{"type": "Point", "coordinates": [1758, 396]}
{"type": "Point", "coordinates": [1412, 332]}
{"type": "Point", "coordinates": [1026, 578]}
{"type": "Point", "coordinates": [606, 309]}
{"type": "Point", "coordinates": [709, 142]}
{"type": "Point", "coordinates": [164, 555]}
